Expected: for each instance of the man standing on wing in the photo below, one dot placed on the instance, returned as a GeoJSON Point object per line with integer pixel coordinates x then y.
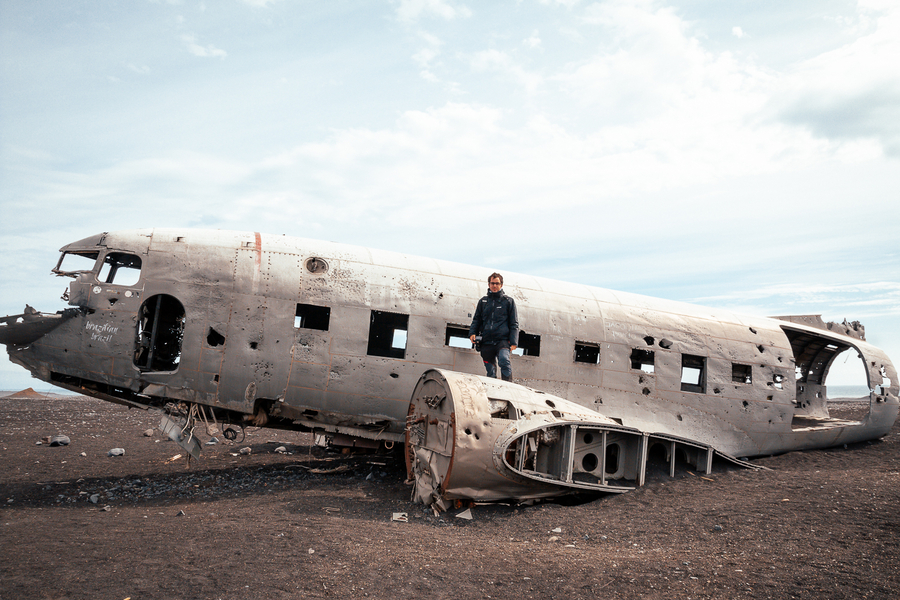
{"type": "Point", "coordinates": [497, 322]}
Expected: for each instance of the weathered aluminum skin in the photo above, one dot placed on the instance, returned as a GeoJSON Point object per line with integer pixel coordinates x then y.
{"type": "Point", "coordinates": [230, 301]}
{"type": "Point", "coordinates": [472, 437]}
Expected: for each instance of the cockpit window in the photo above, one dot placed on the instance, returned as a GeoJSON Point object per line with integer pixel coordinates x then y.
{"type": "Point", "coordinates": [121, 269]}
{"type": "Point", "coordinates": [73, 263]}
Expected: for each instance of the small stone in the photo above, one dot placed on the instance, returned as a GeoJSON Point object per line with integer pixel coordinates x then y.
{"type": "Point", "coordinates": [106, 508]}
{"type": "Point", "coordinates": [245, 451]}
{"type": "Point", "coordinates": [148, 433]}
{"type": "Point", "coordinates": [556, 530]}
{"type": "Point", "coordinates": [84, 454]}
{"type": "Point", "coordinates": [59, 440]}
{"type": "Point", "coordinates": [311, 551]}
{"type": "Point", "coordinates": [116, 452]}
{"type": "Point", "coordinates": [553, 538]}
{"type": "Point", "coordinates": [95, 498]}
{"type": "Point", "coordinates": [281, 450]}
{"type": "Point", "coordinates": [212, 441]}
{"type": "Point", "coordinates": [180, 513]}
{"type": "Point", "coordinates": [717, 528]}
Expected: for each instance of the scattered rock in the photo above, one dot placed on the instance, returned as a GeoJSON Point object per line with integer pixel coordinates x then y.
{"type": "Point", "coordinates": [717, 528]}
{"type": "Point", "coordinates": [59, 440]}
{"type": "Point", "coordinates": [116, 452]}
{"type": "Point", "coordinates": [553, 538]}
{"type": "Point", "coordinates": [180, 513]}
{"type": "Point", "coordinates": [212, 441]}
{"type": "Point", "coordinates": [281, 450]}
{"type": "Point", "coordinates": [148, 433]}
{"type": "Point", "coordinates": [95, 498]}
{"type": "Point", "coordinates": [245, 451]}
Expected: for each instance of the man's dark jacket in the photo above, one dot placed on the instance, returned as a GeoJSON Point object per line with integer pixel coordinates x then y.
{"type": "Point", "coordinates": [496, 320]}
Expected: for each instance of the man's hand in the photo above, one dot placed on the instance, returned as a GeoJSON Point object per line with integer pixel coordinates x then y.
{"type": "Point", "coordinates": [472, 338]}
{"type": "Point", "coordinates": [512, 348]}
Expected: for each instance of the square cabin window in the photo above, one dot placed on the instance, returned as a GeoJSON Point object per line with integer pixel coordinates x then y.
{"type": "Point", "coordinates": [387, 334]}
{"type": "Point", "coordinates": [693, 373]}
{"type": "Point", "coordinates": [741, 373]}
{"type": "Point", "coordinates": [586, 352]}
{"type": "Point", "coordinates": [457, 336]}
{"type": "Point", "coordinates": [643, 360]}
{"type": "Point", "coordinates": [529, 344]}
{"type": "Point", "coordinates": [121, 269]}
{"type": "Point", "coordinates": [309, 316]}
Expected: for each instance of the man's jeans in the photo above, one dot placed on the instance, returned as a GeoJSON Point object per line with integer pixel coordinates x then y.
{"type": "Point", "coordinates": [490, 352]}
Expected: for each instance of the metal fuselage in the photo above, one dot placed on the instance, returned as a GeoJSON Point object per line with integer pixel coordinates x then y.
{"type": "Point", "coordinates": [330, 337]}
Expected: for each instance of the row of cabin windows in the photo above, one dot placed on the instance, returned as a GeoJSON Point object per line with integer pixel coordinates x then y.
{"type": "Point", "coordinates": [693, 370]}
{"type": "Point", "coordinates": [387, 332]}
{"type": "Point", "coordinates": [388, 337]}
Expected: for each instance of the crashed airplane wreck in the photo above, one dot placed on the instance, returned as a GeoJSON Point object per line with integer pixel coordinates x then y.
{"type": "Point", "coordinates": [370, 348]}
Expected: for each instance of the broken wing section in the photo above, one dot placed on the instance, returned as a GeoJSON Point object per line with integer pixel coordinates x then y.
{"type": "Point", "coordinates": [22, 330]}
{"type": "Point", "coordinates": [471, 437]}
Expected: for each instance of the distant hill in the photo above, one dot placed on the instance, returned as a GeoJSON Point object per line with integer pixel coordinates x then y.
{"type": "Point", "coordinates": [29, 394]}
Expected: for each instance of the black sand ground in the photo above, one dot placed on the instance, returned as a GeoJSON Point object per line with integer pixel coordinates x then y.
{"type": "Point", "coordinates": [311, 524]}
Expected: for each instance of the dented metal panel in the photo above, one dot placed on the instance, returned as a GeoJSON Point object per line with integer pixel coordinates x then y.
{"type": "Point", "coordinates": [477, 438]}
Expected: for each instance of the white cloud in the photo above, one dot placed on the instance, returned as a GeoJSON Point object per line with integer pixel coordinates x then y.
{"type": "Point", "coordinates": [208, 51]}
{"type": "Point", "coordinates": [854, 301]}
{"type": "Point", "coordinates": [645, 19]}
{"type": "Point", "coordinates": [852, 92]}
{"type": "Point", "coordinates": [501, 62]}
{"type": "Point", "coordinates": [737, 32]}
{"type": "Point", "coordinates": [424, 56]}
{"type": "Point", "coordinates": [431, 39]}
{"type": "Point", "coordinates": [566, 3]}
{"type": "Point", "coordinates": [409, 11]}
{"type": "Point", "coordinates": [532, 41]}
{"type": "Point", "coordinates": [646, 62]}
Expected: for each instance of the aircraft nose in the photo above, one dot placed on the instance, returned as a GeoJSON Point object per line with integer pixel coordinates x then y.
{"type": "Point", "coordinates": [21, 330]}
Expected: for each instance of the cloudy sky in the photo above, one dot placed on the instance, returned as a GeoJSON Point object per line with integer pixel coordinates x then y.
{"type": "Point", "coordinates": [737, 154]}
